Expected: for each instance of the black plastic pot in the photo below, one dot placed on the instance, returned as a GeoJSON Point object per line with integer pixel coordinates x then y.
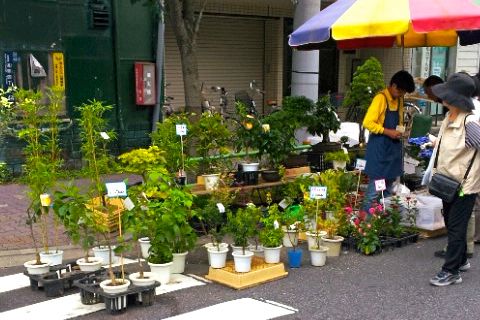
{"type": "Point", "coordinates": [271, 175]}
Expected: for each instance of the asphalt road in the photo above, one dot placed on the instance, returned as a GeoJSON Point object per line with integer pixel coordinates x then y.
{"type": "Point", "coordinates": [390, 285]}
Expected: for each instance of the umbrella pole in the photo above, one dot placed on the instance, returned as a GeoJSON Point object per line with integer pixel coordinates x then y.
{"type": "Point", "coordinates": [403, 52]}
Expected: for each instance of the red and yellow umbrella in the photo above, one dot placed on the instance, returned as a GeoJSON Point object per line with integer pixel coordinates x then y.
{"type": "Point", "coordinates": [383, 23]}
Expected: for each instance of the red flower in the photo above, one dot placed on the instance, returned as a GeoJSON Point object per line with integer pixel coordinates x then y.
{"type": "Point", "coordinates": [348, 210]}
{"type": "Point", "coordinates": [356, 221]}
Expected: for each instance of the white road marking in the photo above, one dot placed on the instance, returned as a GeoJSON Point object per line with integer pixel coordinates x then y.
{"type": "Point", "coordinates": [245, 308]}
{"type": "Point", "coordinates": [70, 306]}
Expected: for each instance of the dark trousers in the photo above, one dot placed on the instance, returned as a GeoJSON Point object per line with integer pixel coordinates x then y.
{"type": "Point", "coordinates": [456, 215]}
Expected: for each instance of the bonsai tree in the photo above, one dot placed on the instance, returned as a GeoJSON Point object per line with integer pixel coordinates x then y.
{"type": "Point", "coordinates": [319, 118]}
{"type": "Point", "coordinates": [366, 83]}
{"type": "Point", "coordinates": [277, 141]}
{"type": "Point", "coordinates": [241, 225]}
{"type": "Point", "coordinates": [212, 141]}
{"type": "Point", "coordinates": [42, 155]}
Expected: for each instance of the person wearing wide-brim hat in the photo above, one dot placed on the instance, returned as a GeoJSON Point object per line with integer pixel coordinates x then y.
{"type": "Point", "coordinates": [459, 138]}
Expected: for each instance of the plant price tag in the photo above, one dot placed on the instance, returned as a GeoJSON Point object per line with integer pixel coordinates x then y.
{"type": "Point", "coordinates": [318, 192]}
{"type": "Point", "coordinates": [380, 185]}
{"type": "Point", "coordinates": [221, 208]}
{"type": "Point", "coordinates": [116, 189]}
{"type": "Point", "coordinates": [360, 164]}
{"type": "Point", "coordinates": [181, 129]}
{"type": "Point", "coordinates": [104, 135]}
{"type": "Point", "coordinates": [128, 203]}
{"type": "Point", "coordinates": [284, 204]}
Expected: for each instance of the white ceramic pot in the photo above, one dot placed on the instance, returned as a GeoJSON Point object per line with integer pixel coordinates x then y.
{"type": "Point", "coordinates": [212, 245]}
{"type": "Point", "coordinates": [339, 165]}
{"type": "Point", "coordinates": [94, 264]}
{"type": "Point", "coordinates": [290, 238]}
{"type": "Point", "coordinates": [107, 288]}
{"type": "Point", "coordinates": [178, 263]}
{"type": "Point", "coordinates": [217, 258]}
{"type": "Point", "coordinates": [238, 249]}
{"type": "Point", "coordinates": [103, 253]}
{"type": "Point", "coordinates": [33, 268]}
{"type": "Point", "coordinates": [148, 279]}
{"type": "Point", "coordinates": [257, 250]}
{"type": "Point", "coordinates": [243, 262]}
{"type": "Point", "coordinates": [55, 257]}
{"type": "Point", "coordinates": [247, 167]}
{"type": "Point", "coordinates": [272, 255]}
{"type": "Point", "coordinates": [144, 246]}
{"type": "Point", "coordinates": [312, 238]}
{"type": "Point", "coordinates": [211, 181]}
{"type": "Point", "coordinates": [161, 271]}
{"type": "Point", "coordinates": [333, 245]}
{"type": "Point", "coordinates": [318, 256]}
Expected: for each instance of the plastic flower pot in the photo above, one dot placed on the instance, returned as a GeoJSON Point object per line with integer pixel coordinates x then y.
{"type": "Point", "coordinates": [294, 258]}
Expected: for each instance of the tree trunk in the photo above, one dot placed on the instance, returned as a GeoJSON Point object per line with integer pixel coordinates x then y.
{"type": "Point", "coordinates": [185, 26]}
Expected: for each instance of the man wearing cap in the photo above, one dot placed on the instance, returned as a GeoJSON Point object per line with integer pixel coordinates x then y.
{"type": "Point", "coordinates": [458, 141]}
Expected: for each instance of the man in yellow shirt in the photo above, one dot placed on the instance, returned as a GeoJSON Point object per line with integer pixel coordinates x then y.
{"type": "Point", "coordinates": [384, 120]}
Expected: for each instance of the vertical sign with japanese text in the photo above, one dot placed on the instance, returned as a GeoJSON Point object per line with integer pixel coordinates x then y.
{"type": "Point", "coordinates": [145, 89]}
{"type": "Point", "coordinates": [58, 70]}
{"type": "Point", "coordinates": [10, 59]}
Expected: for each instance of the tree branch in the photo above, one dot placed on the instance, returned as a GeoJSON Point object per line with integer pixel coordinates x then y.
{"type": "Point", "coordinates": [198, 19]}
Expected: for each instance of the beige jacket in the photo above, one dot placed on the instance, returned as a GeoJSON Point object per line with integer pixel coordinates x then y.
{"type": "Point", "coordinates": [454, 158]}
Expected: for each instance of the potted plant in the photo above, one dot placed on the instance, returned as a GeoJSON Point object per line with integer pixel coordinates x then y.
{"type": "Point", "coordinates": [241, 226]}
{"type": "Point", "coordinates": [292, 221]}
{"type": "Point", "coordinates": [41, 169]}
{"type": "Point", "coordinates": [271, 235]}
{"type": "Point", "coordinates": [276, 143]}
{"type": "Point", "coordinates": [168, 212]}
{"type": "Point", "coordinates": [248, 130]}
{"type": "Point", "coordinates": [212, 213]}
{"type": "Point", "coordinates": [141, 161]}
{"type": "Point", "coordinates": [169, 142]}
{"type": "Point", "coordinates": [339, 158]}
{"type": "Point", "coordinates": [367, 81]}
{"type": "Point", "coordinates": [212, 138]}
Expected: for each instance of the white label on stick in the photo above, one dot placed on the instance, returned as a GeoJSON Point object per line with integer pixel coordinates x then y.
{"type": "Point", "coordinates": [181, 129]}
{"type": "Point", "coordinates": [360, 164]}
{"type": "Point", "coordinates": [318, 192]}
{"type": "Point", "coordinates": [116, 189]}
{"type": "Point", "coordinates": [104, 135]}
{"type": "Point", "coordinates": [380, 185]}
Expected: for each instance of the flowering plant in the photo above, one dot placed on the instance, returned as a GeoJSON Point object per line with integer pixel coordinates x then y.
{"type": "Point", "coordinates": [367, 227]}
{"type": "Point", "coordinates": [417, 150]}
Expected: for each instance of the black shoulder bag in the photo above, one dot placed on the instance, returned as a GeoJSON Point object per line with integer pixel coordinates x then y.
{"type": "Point", "coordinates": [443, 186]}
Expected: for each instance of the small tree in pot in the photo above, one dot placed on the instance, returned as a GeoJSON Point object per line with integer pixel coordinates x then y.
{"type": "Point", "coordinates": [271, 235]}
{"type": "Point", "coordinates": [241, 226]}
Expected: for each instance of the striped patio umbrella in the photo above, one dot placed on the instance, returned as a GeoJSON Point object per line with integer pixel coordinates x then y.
{"type": "Point", "coordinates": [385, 23]}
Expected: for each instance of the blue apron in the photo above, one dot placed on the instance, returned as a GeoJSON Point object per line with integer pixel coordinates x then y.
{"type": "Point", "coordinates": [384, 154]}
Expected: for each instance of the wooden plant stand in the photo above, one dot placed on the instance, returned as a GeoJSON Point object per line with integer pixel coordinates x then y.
{"type": "Point", "coordinates": [261, 272]}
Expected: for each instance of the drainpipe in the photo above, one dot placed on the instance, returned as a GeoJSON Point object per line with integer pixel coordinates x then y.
{"type": "Point", "coordinates": [157, 115]}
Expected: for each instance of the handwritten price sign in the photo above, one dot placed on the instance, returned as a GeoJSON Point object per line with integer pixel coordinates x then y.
{"type": "Point", "coordinates": [318, 192]}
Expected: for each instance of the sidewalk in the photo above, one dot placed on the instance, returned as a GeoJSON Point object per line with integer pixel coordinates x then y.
{"type": "Point", "coordinates": [15, 234]}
